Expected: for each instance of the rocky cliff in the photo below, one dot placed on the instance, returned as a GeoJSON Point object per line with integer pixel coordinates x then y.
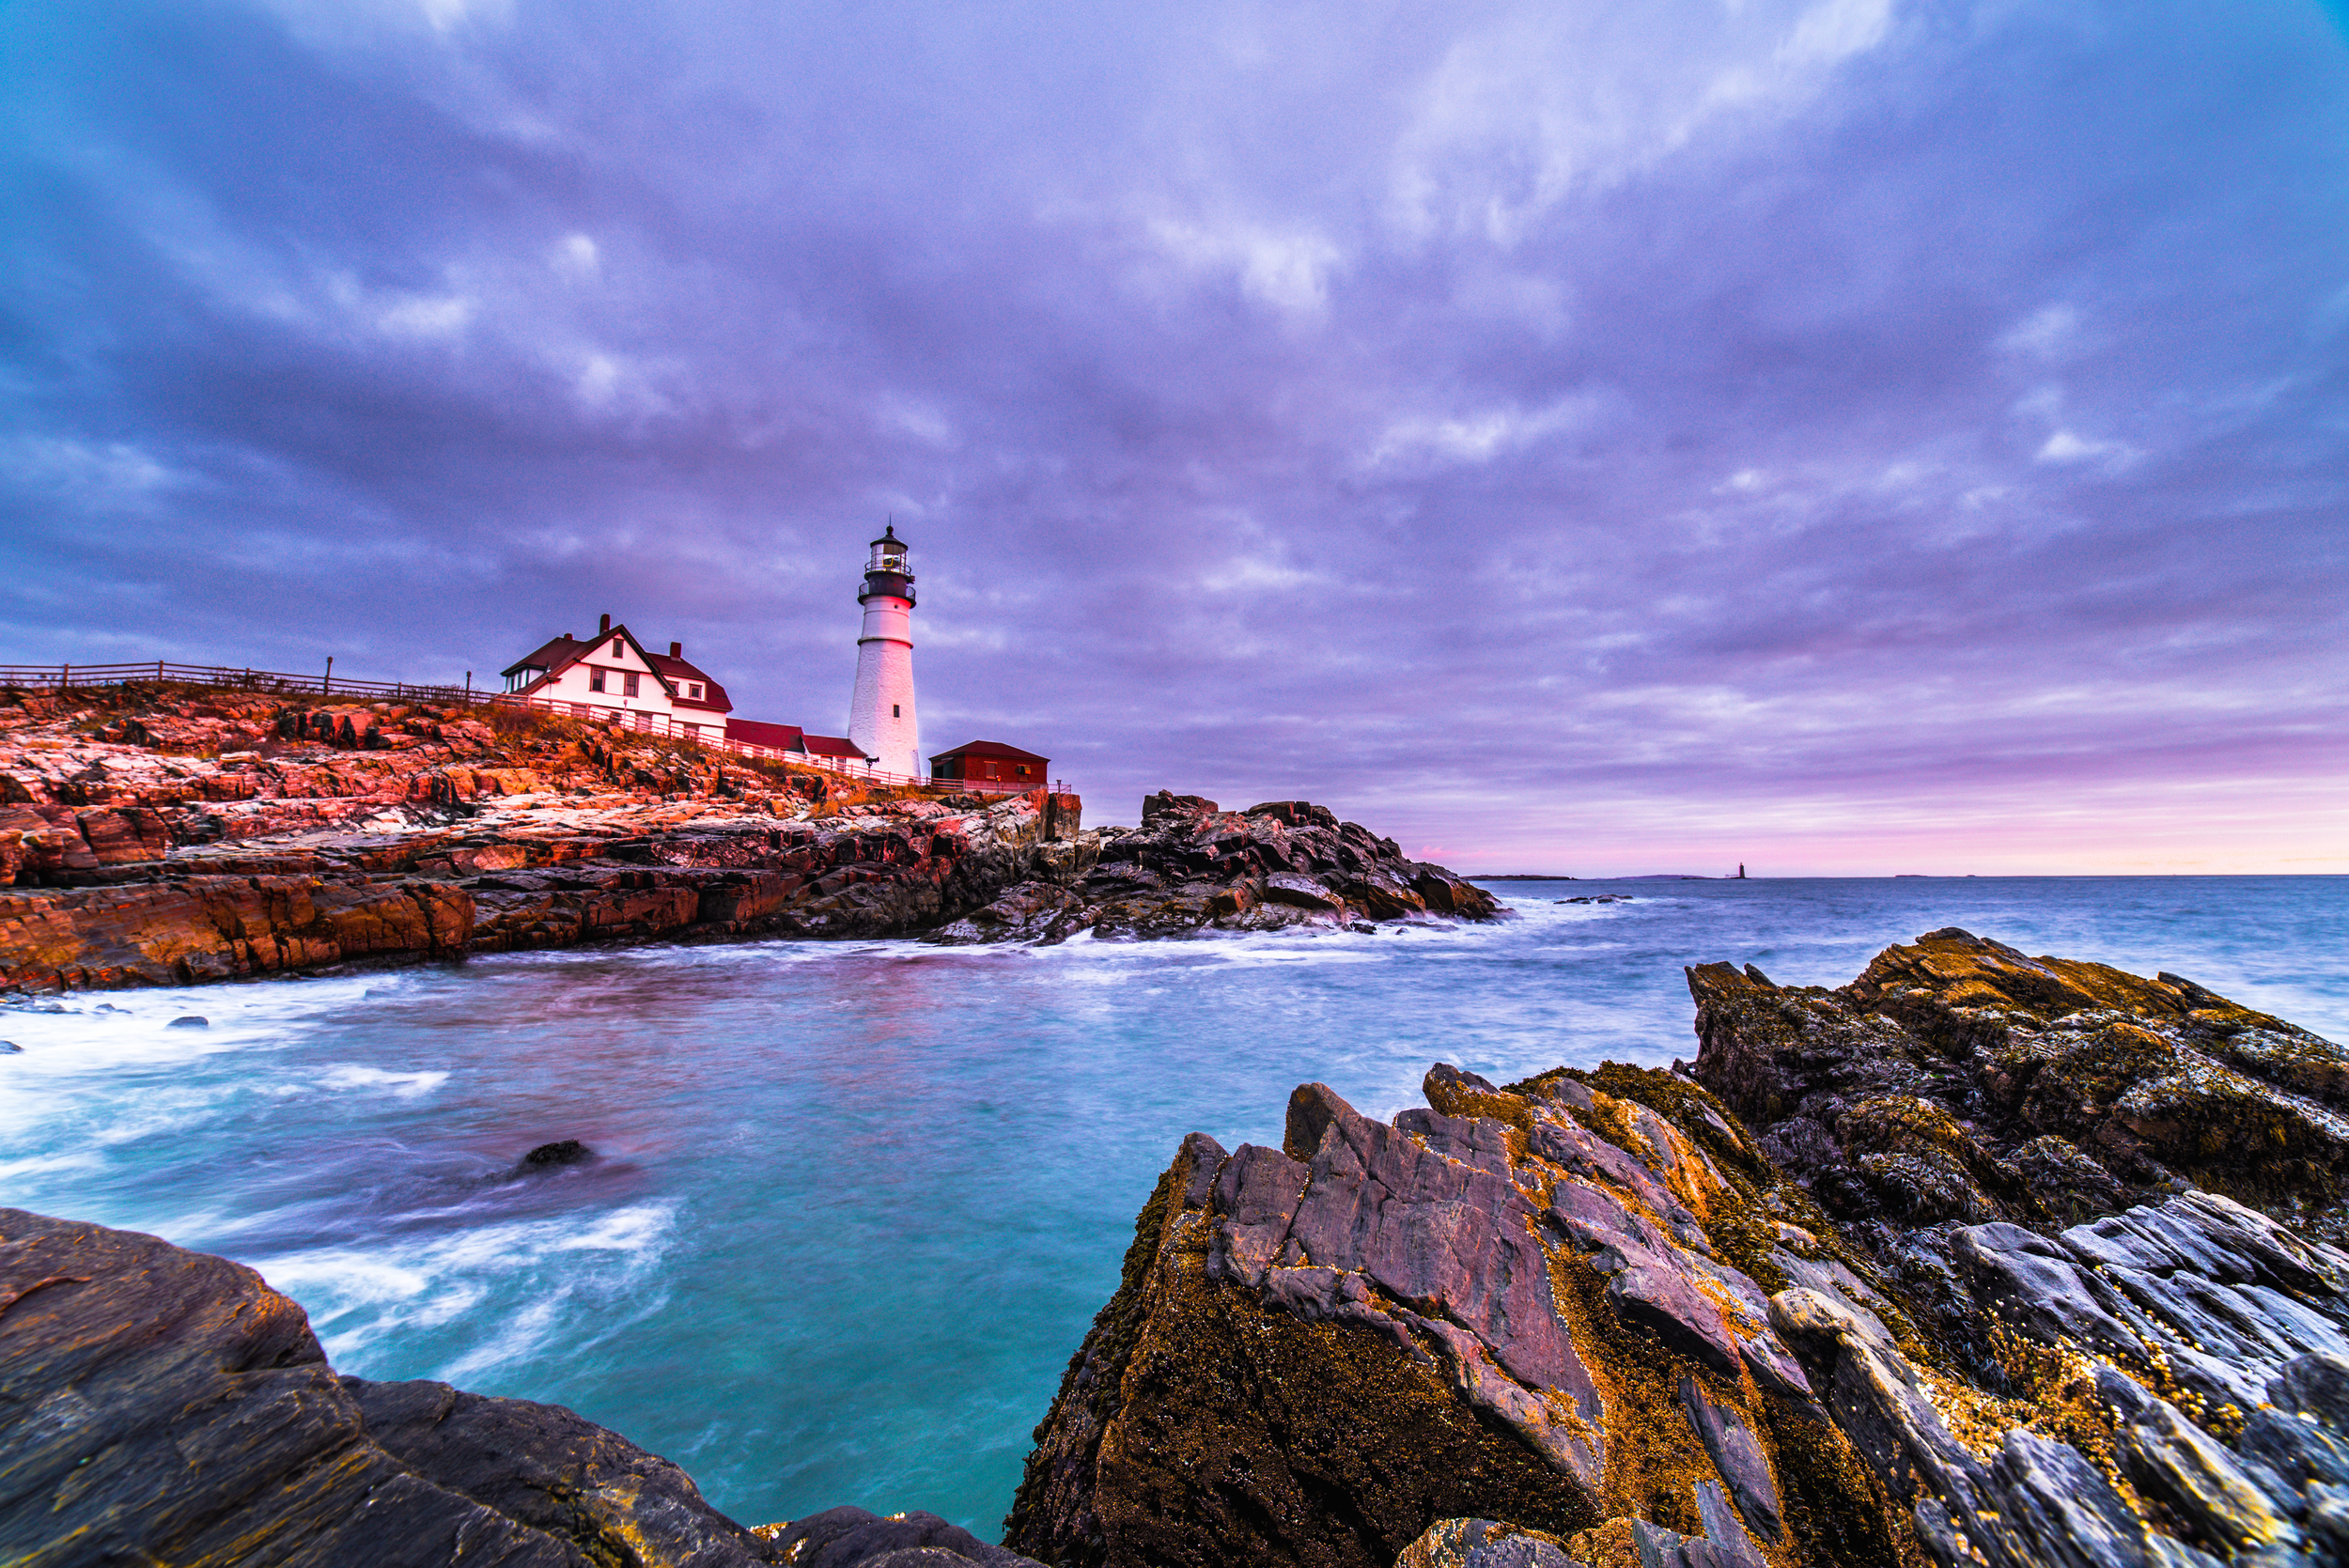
{"type": "Point", "coordinates": [167, 835]}
{"type": "Point", "coordinates": [2018, 1262]}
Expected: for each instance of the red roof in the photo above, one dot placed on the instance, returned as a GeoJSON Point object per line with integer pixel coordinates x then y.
{"type": "Point", "coordinates": [989, 748]}
{"type": "Point", "coordinates": [561, 653]}
{"type": "Point", "coordinates": [831, 746]}
{"type": "Point", "coordinates": [557, 653]}
{"type": "Point", "coordinates": [751, 732]}
{"type": "Point", "coordinates": [677, 672]}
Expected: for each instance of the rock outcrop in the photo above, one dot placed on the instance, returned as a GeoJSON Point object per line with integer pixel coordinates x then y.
{"type": "Point", "coordinates": [1191, 866]}
{"type": "Point", "coordinates": [1529, 1305]}
{"type": "Point", "coordinates": [1958, 1080]}
{"type": "Point", "coordinates": [2102, 1198]}
{"type": "Point", "coordinates": [162, 1406]}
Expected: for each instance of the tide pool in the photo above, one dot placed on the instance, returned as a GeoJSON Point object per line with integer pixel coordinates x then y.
{"type": "Point", "coordinates": [859, 1202]}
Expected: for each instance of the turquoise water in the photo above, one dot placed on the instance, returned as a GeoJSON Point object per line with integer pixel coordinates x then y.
{"type": "Point", "coordinates": [859, 1202]}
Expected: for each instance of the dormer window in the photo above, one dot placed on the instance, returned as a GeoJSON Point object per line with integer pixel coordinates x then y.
{"type": "Point", "coordinates": [694, 692]}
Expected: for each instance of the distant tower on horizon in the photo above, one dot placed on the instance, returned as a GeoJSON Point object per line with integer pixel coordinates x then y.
{"type": "Point", "coordinates": [881, 715]}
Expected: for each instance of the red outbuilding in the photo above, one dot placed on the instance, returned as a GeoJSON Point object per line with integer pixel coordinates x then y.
{"type": "Point", "coordinates": [990, 759]}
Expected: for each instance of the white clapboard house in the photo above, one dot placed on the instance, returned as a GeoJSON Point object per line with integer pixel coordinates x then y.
{"type": "Point", "coordinates": [612, 677]}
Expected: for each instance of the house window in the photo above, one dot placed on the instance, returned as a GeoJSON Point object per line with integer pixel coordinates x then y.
{"type": "Point", "coordinates": [594, 681]}
{"type": "Point", "coordinates": [697, 692]}
{"type": "Point", "coordinates": [619, 647]}
{"type": "Point", "coordinates": [627, 684]}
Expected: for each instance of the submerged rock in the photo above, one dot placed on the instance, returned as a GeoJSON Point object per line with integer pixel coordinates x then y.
{"type": "Point", "coordinates": [548, 1156]}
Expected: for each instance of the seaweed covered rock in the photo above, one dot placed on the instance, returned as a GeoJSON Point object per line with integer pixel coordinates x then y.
{"type": "Point", "coordinates": [1519, 1306]}
{"type": "Point", "coordinates": [1192, 866]}
{"type": "Point", "coordinates": [1958, 1080]}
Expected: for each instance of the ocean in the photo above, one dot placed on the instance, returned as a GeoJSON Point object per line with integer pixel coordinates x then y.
{"type": "Point", "coordinates": [856, 1203]}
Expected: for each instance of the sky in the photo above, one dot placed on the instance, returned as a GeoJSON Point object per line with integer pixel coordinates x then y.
{"type": "Point", "coordinates": [1842, 437]}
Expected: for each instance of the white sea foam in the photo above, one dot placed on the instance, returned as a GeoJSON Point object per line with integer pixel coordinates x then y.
{"type": "Point", "coordinates": [457, 1304]}
{"type": "Point", "coordinates": [407, 1086]}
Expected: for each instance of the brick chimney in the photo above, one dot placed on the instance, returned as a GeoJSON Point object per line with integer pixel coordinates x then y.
{"type": "Point", "coordinates": [605, 628]}
{"type": "Point", "coordinates": [677, 650]}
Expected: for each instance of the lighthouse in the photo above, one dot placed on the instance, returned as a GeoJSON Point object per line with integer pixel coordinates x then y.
{"type": "Point", "coordinates": [880, 716]}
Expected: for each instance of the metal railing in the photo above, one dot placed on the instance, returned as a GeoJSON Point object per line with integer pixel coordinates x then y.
{"type": "Point", "coordinates": [58, 677]}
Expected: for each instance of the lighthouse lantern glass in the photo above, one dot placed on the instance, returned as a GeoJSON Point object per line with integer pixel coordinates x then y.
{"type": "Point", "coordinates": [888, 555]}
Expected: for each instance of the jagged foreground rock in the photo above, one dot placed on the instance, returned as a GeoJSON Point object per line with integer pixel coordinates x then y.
{"type": "Point", "coordinates": [1190, 866]}
{"type": "Point", "coordinates": [1943, 1306]}
{"type": "Point", "coordinates": [1525, 1306]}
{"type": "Point", "coordinates": [162, 1406]}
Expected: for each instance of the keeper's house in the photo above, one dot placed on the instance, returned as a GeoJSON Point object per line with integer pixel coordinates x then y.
{"type": "Point", "coordinates": [990, 760]}
{"type": "Point", "coordinates": [613, 677]}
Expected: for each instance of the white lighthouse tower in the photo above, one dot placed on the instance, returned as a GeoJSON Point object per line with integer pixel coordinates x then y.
{"type": "Point", "coordinates": [880, 716]}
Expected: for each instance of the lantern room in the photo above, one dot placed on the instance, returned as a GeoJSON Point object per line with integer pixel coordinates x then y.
{"type": "Point", "coordinates": [885, 570]}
